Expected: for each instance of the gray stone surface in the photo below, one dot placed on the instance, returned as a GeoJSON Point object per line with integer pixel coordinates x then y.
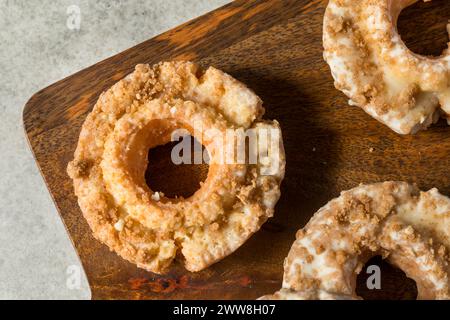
{"type": "Point", "coordinates": [39, 44]}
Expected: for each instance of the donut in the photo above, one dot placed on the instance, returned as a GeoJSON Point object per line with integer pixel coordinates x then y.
{"type": "Point", "coordinates": [409, 228]}
{"type": "Point", "coordinates": [143, 111]}
{"type": "Point", "coordinates": [372, 65]}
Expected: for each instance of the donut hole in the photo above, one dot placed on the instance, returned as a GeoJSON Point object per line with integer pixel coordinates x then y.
{"type": "Point", "coordinates": [175, 180]}
{"type": "Point", "coordinates": [394, 284]}
{"type": "Point", "coordinates": [413, 26]}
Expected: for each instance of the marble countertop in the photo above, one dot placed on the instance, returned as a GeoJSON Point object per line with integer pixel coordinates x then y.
{"type": "Point", "coordinates": [42, 42]}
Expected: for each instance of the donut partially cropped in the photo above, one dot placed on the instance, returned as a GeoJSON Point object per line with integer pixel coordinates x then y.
{"type": "Point", "coordinates": [371, 64]}
{"type": "Point", "coordinates": [141, 112]}
{"type": "Point", "coordinates": [409, 228]}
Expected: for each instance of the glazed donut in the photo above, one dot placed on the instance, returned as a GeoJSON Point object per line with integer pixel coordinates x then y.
{"type": "Point", "coordinates": [371, 64]}
{"type": "Point", "coordinates": [411, 229]}
{"type": "Point", "coordinates": [141, 112]}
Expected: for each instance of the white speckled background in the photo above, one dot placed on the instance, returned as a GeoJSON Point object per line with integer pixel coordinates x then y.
{"type": "Point", "coordinates": [36, 49]}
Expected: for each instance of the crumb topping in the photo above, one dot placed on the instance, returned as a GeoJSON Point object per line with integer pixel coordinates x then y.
{"type": "Point", "coordinates": [374, 68]}
{"type": "Point", "coordinates": [139, 113]}
{"type": "Point", "coordinates": [410, 229]}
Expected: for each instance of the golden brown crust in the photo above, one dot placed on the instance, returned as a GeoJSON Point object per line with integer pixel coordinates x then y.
{"type": "Point", "coordinates": [140, 112]}
{"type": "Point", "coordinates": [374, 68]}
{"type": "Point", "coordinates": [409, 228]}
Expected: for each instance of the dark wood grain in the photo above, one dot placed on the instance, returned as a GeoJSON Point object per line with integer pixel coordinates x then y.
{"type": "Point", "coordinates": [275, 47]}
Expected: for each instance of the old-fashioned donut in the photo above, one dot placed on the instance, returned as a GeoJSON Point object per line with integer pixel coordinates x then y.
{"type": "Point", "coordinates": [141, 112]}
{"type": "Point", "coordinates": [371, 64]}
{"type": "Point", "coordinates": [411, 229]}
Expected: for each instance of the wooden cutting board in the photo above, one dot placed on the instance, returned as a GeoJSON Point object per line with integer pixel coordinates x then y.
{"type": "Point", "coordinates": [275, 47]}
